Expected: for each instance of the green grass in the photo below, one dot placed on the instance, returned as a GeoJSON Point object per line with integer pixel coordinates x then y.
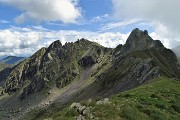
{"type": "Point", "coordinates": [157, 100]}
{"type": "Point", "coordinates": [153, 100]}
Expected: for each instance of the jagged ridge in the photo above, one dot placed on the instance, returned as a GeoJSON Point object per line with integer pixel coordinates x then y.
{"type": "Point", "coordinates": [56, 64]}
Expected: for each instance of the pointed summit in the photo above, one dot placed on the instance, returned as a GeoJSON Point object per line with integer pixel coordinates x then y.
{"type": "Point", "coordinates": [139, 40]}
{"type": "Point", "coordinates": [55, 44]}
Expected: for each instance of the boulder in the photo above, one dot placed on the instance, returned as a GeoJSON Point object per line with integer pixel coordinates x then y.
{"type": "Point", "coordinates": [80, 109]}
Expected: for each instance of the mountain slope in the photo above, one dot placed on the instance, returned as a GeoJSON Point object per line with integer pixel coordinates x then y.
{"type": "Point", "coordinates": [60, 74]}
{"type": "Point", "coordinates": [158, 99]}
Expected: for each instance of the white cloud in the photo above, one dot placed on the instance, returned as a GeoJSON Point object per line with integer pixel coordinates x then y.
{"type": "Point", "coordinates": [119, 24]}
{"type": "Point", "coordinates": [26, 41]}
{"type": "Point", "coordinates": [101, 18]}
{"type": "Point", "coordinates": [168, 38]}
{"type": "Point", "coordinates": [158, 12]}
{"type": "Point", "coordinates": [16, 42]}
{"type": "Point", "coordinates": [110, 39]}
{"type": "Point", "coordinates": [66, 11]}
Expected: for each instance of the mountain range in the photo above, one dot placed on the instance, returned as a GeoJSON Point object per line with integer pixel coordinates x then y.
{"type": "Point", "coordinates": [55, 77]}
{"type": "Point", "coordinates": [12, 59]}
{"type": "Point", "coordinates": [9, 61]}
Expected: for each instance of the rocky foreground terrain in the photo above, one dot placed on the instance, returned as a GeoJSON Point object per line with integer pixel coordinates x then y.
{"type": "Point", "coordinates": [84, 80]}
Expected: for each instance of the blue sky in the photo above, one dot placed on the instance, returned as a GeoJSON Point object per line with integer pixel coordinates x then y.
{"type": "Point", "coordinates": [26, 26]}
{"type": "Point", "coordinates": [90, 10]}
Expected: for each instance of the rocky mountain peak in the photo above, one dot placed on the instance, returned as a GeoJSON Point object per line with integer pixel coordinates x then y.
{"type": "Point", "coordinates": [55, 44]}
{"type": "Point", "coordinates": [139, 33]}
{"type": "Point", "coordinates": [54, 49]}
{"type": "Point", "coordinates": [139, 40]}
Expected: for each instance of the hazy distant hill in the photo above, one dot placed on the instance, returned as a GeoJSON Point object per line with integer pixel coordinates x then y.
{"type": "Point", "coordinates": [7, 63]}
{"type": "Point", "coordinates": [12, 59]}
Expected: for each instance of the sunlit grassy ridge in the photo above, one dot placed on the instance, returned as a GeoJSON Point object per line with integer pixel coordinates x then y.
{"type": "Point", "coordinates": [157, 100]}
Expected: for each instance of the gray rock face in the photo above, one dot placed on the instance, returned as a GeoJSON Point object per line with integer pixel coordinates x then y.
{"type": "Point", "coordinates": [80, 117]}
{"type": "Point", "coordinates": [137, 41]}
{"type": "Point", "coordinates": [87, 61]}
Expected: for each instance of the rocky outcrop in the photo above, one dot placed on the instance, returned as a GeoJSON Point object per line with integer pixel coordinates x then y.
{"type": "Point", "coordinates": [84, 112]}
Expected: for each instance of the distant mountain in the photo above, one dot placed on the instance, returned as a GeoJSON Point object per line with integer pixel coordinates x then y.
{"type": "Point", "coordinates": [60, 74]}
{"type": "Point", "coordinates": [6, 65]}
{"type": "Point", "coordinates": [12, 59]}
{"type": "Point", "coordinates": [9, 61]}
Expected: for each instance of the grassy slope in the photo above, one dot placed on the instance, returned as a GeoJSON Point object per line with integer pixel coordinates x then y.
{"type": "Point", "coordinates": [159, 99]}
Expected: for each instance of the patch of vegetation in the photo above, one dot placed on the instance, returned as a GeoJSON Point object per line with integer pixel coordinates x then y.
{"type": "Point", "coordinates": [176, 107]}
{"type": "Point", "coordinates": [157, 100]}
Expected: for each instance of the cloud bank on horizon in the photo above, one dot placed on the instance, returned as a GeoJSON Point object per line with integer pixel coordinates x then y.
{"type": "Point", "coordinates": [28, 25]}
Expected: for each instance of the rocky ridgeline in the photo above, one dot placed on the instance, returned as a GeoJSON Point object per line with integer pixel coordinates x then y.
{"type": "Point", "coordinates": [58, 64]}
